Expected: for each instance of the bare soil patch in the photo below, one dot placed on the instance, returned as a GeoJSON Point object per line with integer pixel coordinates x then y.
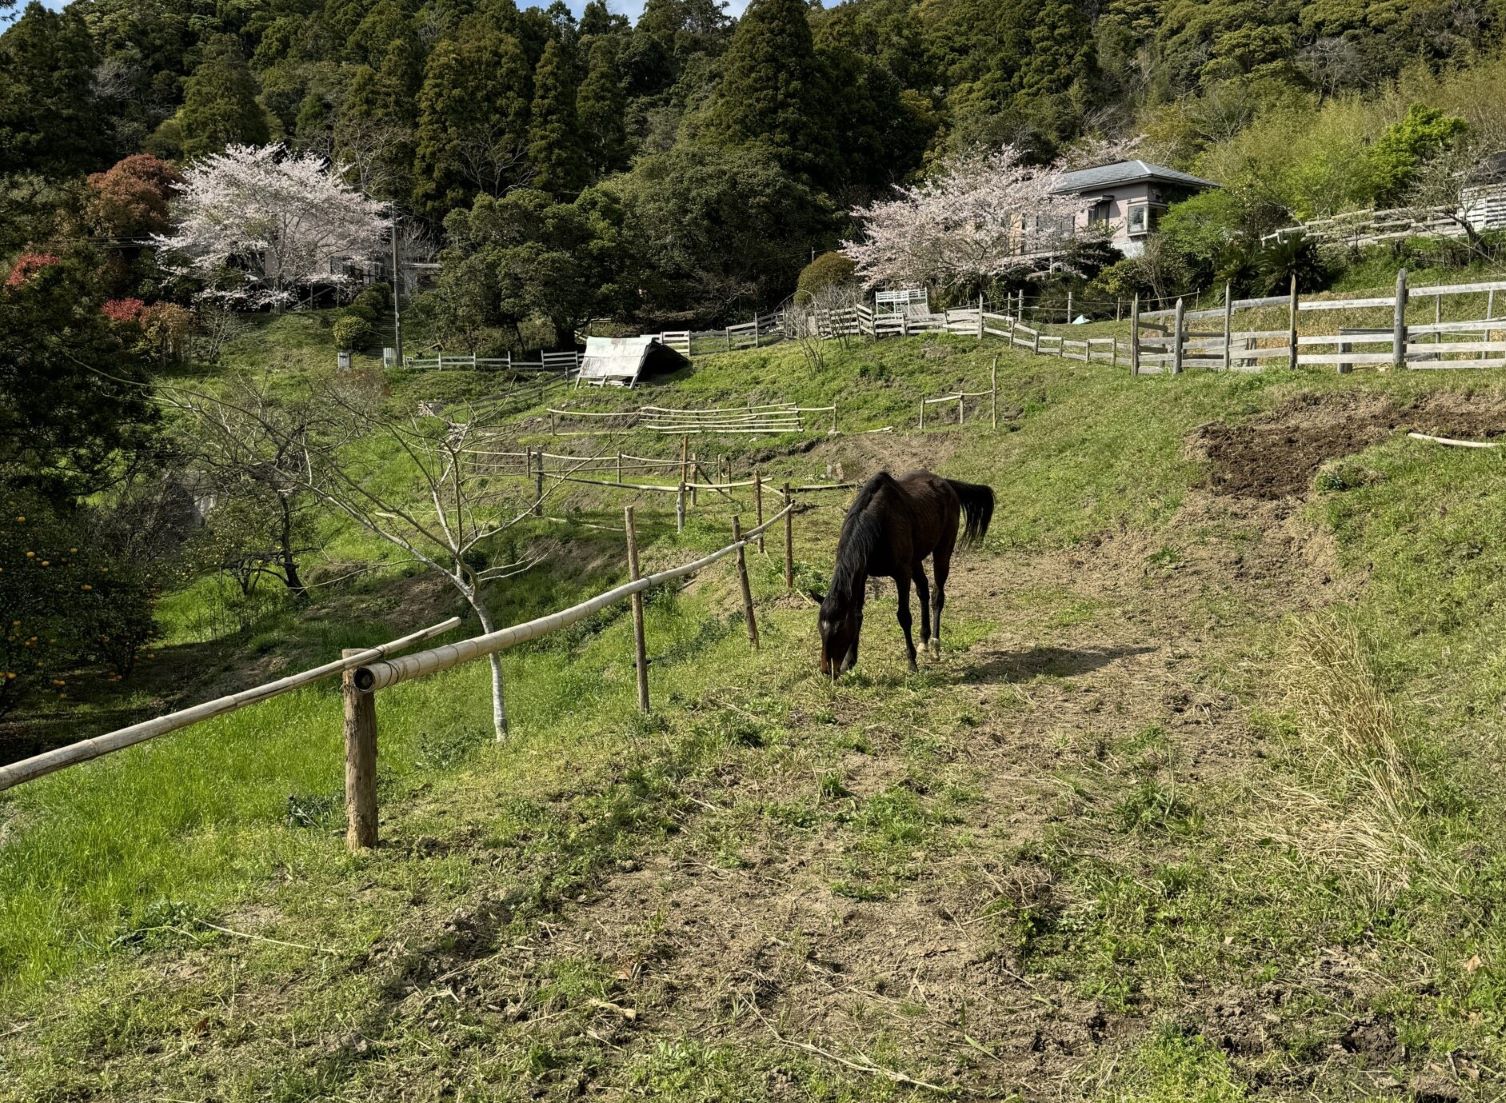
{"type": "Point", "coordinates": [1276, 455]}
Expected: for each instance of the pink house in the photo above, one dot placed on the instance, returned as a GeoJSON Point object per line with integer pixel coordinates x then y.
{"type": "Point", "coordinates": [1128, 197]}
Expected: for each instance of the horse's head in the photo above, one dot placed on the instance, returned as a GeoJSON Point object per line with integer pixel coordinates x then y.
{"type": "Point", "coordinates": [841, 622]}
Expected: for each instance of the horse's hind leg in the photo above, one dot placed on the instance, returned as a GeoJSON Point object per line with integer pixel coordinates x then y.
{"type": "Point", "coordinates": [941, 567]}
{"type": "Point", "coordinates": [923, 595]}
{"type": "Point", "coordinates": [903, 585]}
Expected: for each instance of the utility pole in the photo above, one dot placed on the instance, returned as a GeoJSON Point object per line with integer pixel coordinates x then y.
{"type": "Point", "coordinates": [397, 313]}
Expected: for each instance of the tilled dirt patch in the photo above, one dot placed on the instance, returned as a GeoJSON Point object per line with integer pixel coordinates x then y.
{"type": "Point", "coordinates": [1276, 455]}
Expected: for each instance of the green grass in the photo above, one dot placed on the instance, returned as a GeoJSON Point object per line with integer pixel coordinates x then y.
{"type": "Point", "coordinates": [1152, 882]}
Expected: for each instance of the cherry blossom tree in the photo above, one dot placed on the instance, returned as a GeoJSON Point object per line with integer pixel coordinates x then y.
{"type": "Point", "coordinates": [259, 224]}
{"type": "Point", "coordinates": [985, 215]}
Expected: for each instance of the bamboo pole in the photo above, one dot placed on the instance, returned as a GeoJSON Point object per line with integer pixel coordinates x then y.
{"type": "Point", "coordinates": [1399, 323]}
{"type": "Point", "coordinates": [360, 760]}
{"type": "Point", "coordinates": [640, 646]}
{"type": "Point", "coordinates": [758, 505]}
{"type": "Point", "coordinates": [742, 576]}
{"type": "Point", "coordinates": [993, 393]}
{"type": "Point", "coordinates": [789, 541]}
{"type": "Point", "coordinates": [29, 769]}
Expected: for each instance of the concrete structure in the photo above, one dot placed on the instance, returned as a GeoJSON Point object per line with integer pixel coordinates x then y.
{"type": "Point", "coordinates": [1129, 197]}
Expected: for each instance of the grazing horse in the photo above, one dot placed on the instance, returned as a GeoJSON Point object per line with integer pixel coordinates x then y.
{"type": "Point", "coordinates": [890, 529]}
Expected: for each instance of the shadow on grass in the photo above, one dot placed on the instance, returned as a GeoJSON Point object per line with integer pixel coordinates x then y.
{"type": "Point", "coordinates": [1055, 662]}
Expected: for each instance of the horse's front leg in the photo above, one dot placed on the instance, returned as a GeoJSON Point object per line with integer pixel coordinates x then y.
{"type": "Point", "coordinates": [923, 595]}
{"type": "Point", "coordinates": [903, 585]}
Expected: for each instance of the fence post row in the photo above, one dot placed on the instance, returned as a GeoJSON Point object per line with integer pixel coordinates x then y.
{"type": "Point", "coordinates": [640, 648]}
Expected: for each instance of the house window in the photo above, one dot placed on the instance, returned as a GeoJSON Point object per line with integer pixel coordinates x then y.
{"type": "Point", "coordinates": [1138, 221]}
{"type": "Point", "coordinates": [1099, 213]}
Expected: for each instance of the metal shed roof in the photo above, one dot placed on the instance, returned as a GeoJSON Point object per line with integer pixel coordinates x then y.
{"type": "Point", "coordinates": [1125, 172]}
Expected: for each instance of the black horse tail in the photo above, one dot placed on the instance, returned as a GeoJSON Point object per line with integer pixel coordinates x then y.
{"type": "Point", "coordinates": [977, 507]}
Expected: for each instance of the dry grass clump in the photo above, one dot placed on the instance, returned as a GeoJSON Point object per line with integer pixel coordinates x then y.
{"type": "Point", "coordinates": [1359, 803]}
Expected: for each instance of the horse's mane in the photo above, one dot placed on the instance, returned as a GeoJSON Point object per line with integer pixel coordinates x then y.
{"type": "Point", "coordinates": [862, 530]}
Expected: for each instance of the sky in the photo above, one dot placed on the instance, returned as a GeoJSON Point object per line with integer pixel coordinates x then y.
{"type": "Point", "coordinates": [630, 8]}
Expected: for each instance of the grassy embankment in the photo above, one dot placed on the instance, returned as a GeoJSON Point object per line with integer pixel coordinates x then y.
{"type": "Point", "coordinates": [1332, 817]}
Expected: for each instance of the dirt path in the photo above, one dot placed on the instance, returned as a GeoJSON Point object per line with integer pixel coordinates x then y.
{"type": "Point", "coordinates": [870, 900]}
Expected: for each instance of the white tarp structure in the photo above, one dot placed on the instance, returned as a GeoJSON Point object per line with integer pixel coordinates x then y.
{"type": "Point", "coordinates": [622, 361]}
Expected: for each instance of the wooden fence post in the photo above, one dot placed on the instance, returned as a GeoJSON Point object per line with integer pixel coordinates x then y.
{"type": "Point", "coordinates": [695, 477]}
{"type": "Point", "coordinates": [619, 468]}
{"type": "Point", "coordinates": [1437, 319]}
{"type": "Point", "coordinates": [993, 393]}
{"type": "Point", "coordinates": [1490, 304]}
{"type": "Point", "coordinates": [1228, 320]}
{"type": "Point", "coordinates": [755, 329]}
{"type": "Point", "coordinates": [360, 761]}
{"type": "Point", "coordinates": [1399, 323]}
{"type": "Point", "coordinates": [1291, 355]}
{"type": "Point", "coordinates": [922, 413]}
{"type": "Point", "coordinates": [684, 456]}
{"type": "Point", "coordinates": [640, 648]}
{"type": "Point", "coordinates": [960, 400]}
{"type": "Point", "coordinates": [980, 315]}
{"type": "Point", "coordinates": [1069, 306]}
{"type": "Point", "coordinates": [1176, 339]}
{"type": "Point", "coordinates": [1021, 314]}
{"type": "Point", "coordinates": [680, 508]}
{"type": "Point", "coordinates": [742, 575]}
{"type": "Point", "coordinates": [758, 504]}
{"type": "Point", "coordinates": [538, 485]}
{"type": "Point", "coordinates": [1134, 335]}
{"type": "Point", "coordinates": [789, 541]}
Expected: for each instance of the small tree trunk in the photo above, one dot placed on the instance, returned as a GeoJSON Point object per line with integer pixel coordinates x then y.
{"type": "Point", "coordinates": [289, 556]}
{"type": "Point", "coordinates": [499, 703]}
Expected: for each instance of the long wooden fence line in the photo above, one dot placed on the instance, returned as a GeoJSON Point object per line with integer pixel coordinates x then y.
{"type": "Point", "coordinates": [29, 769]}
{"type": "Point", "coordinates": [361, 687]}
{"type": "Point", "coordinates": [771, 418]}
{"type": "Point", "coordinates": [1391, 340]}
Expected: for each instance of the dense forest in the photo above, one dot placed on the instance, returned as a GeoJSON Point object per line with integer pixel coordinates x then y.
{"type": "Point", "coordinates": [676, 169]}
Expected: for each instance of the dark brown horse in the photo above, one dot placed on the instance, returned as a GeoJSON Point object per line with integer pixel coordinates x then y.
{"type": "Point", "coordinates": [890, 529]}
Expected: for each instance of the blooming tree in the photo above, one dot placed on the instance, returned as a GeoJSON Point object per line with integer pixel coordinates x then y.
{"type": "Point", "coordinates": [257, 224]}
{"type": "Point", "coordinates": [983, 216]}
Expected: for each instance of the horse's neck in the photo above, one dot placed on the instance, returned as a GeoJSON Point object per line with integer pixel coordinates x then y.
{"type": "Point", "coordinates": [851, 585]}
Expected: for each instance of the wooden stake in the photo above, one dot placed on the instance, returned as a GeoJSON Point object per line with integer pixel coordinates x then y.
{"type": "Point", "coordinates": [758, 505]}
{"type": "Point", "coordinates": [1176, 339]}
{"type": "Point", "coordinates": [993, 393]}
{"type": "Point", "coordinates": [640, 647]}
{"type": "Point", "coordinates": [1399, 323]}
{"type": "Point", "coordinates": [538, 484]}
{"type": "Point", "coordinates": [922, 413]}
{"type": "Point", "coordinates": [619, 468]}
{"type": "Point", "coordinates": [695, 475]}
{"type": "Point", "coordinates": [959, 409]}
{"type": "Point", "coordinates": [1135, 335]}
{"type": "Point", "coordinates": [789, 542]}
{"type": "Point", "coordinates": [1228, 319]}
{"type": "Point", "coordinates": [680, 509]}
{"type": "Point", "coordinates": [684, 456]}
{"type": "Point", "coordinates": [1291, 355]}
{"type": "Point", "coordinates": [742, 575]}
{"type": "Point", "coordinates": [360, 761]}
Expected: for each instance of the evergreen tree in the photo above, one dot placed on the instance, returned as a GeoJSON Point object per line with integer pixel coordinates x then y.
{"type": "Point", "coordinates": [554, 140]}
{"type": "Point", "coordinates": [472, 120]}
{"type": "Point", "coordinates": [219, 103]}
{"type": "Point", "coordinates": [49, 121]}
{"type": "Point", "coordinates": [771, 87]}
{"type": "Point", "coordinates": [599, 110]}
{"type": "Point", "coordinates": [596, 19]}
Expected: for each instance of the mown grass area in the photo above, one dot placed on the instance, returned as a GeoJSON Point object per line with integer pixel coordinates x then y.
{"type": "Point", "coordinates": [1348, 864]}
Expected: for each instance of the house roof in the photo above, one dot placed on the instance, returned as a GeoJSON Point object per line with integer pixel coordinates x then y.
{"type": "Point", "coordinates": [1125, 172]}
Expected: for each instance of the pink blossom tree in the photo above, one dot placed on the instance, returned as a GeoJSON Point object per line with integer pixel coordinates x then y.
{"type": "Point", "coordinates": [258, 224]}
{"type": "Point", "coordinates": [985, 215]}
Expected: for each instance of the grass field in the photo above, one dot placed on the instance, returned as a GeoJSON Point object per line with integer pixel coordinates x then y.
{"type": "Point", "coordinates": [1202, 802]}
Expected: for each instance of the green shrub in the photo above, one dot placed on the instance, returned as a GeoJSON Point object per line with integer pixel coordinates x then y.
{"type": "Point", "coordinates": [825, 272]}
{"type": "Point", "coordinates": [353, 332]}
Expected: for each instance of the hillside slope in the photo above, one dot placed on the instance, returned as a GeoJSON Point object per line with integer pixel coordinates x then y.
{"type": "Point", "coordinates": [1201, 801]}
